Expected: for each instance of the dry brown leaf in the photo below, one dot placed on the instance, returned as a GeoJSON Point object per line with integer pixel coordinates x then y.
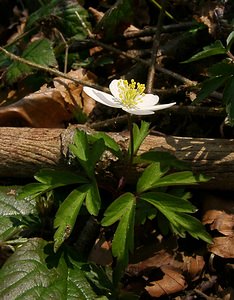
{"type": "Point", "coordinates": [72, 93]}
{"type": "Point", "coordinates": [160, 259]}
{"type": "Point", "coordinates": [219, 213]}
{"type": "Point", "coordinates": [193, 266]}
{"type": "Point", "coordinates": [50, 107]}
{"type": "Point", "coordinates": [40, 109]}
{"type": "Point", "coordinates": [172, 282]}
{"type": "Point", "coordinates": [223, 246]}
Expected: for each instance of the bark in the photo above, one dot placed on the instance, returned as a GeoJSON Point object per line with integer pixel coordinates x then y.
{"type": "Point", "coordinates": [23, 151]}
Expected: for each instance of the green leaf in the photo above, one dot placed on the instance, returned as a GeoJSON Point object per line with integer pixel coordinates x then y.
{"type": "Point", "coordinates": [123, 240]}
{"type": "Point", "coordinates": [117, 209]}
{"type": "Point", "coordinates": [175, 209]}
{"type": "Point", "coordinates": [116, 19]}
{"type": "Point", "coordinates": [150, 177]}
{"type": "Point", "coordinates": [81, 149]}
{"type": "Point", "coordinates": [34, 272]}
{"type": "Point", "coordinates": [144, 211]}
{"type": "Point", "coordinates": [15, 215]}
{"type": "Point", "coordinates": [230, 40]}
{"type": "Point", "coordinates": [66, 215]}
{"type": "Point", "coordinates": [58, 177]}
{"type": "Point", "coordinates": [214, 49]}
{"type": "Point", "coordinates": [109, 142]}
{"type": "Point", "coordinates": [165, 158]}
{"type": "Point", "coordinates": [139, 134]}
{"type": "Point", "coordinates": [229, 99]}
{"type": "Point", "coordinates": [40, 52]}
{"type": "Point", "coordinates": [63, 15]}
{"type": "Point", "coordinates": [180, 178]}
{"type": "Point", "coordinates": [49, 180]}
{"type": "Point", "coordinates": [32, 190]}
{"type": "Point", "coordinates": [93, 200]}
{"type": "Point", "coordinates": [96, 152]}
{"type": "Point", "coordinates": [208, 86]}
{"type": "Point", "coordinates": [223, 68]}
{"type": "Point", "coordinates": [167, 203]}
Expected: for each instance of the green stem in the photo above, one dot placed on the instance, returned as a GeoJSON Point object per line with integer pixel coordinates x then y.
{"type": "Point", "coordinates": [131, 141]}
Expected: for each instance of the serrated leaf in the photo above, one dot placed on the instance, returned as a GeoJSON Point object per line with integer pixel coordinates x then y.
{"type": "Point", "coordinates": [168, 203]}
{"type": "Point", "coordinates": [66, 215]}
{"type": "Point", "coordinates": [144, 211]}
{"type": "Point", "coordinates": [81, 149]}
{"type": "Point", "coordinates": [109, 142]}
{"type": "Point", "coordinates": [40, 52]}
{"type": "Point", "coordinates": [180, 178]}
{"type": "Point", "coordinates": [214, 49]}
{"type": "Point", "coordinates": [13, 213]}
{"type": "Point", "coordinates": [96, 152]}
{"type": "Point", "coordinates": [229, 99]}
{"type": "Point", "coordinates": [93, 200]}
{"type": "Point", "coordinates": [150, 176]}
{"type": "Point", "coordinates": [35, 272]}
{"type": "Point", "coordinates": [164, 158]}
{"type": "Point", "coordinates": [230, 40]}
{"type": "Point", "coordinates": [49, 180]}
{"type": "Point", "coordinates": [139, 134]}
{"type": "Point", "coordinates": [116, 209]}
{"type": "Point", "coordinates": [175, 209]}
{"type": "Point", "coordinates": [123, 240]}
{"type": "Point", "coordinates": [59, 177]}
{"type": "Point", "coordinates": [208, 86]}
{"type": "Point", "coordinates": [63, 14]}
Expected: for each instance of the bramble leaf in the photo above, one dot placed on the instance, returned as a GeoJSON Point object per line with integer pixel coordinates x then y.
{"type": "Point", "coordinates": [40, 52]}
{"type": "Point", "coordinates": [34, 272]}
{"type": "Point", "coordinates": [14, 213]}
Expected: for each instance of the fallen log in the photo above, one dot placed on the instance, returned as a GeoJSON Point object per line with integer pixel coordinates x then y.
{"type": "Point", "coordinates": [23, 151]}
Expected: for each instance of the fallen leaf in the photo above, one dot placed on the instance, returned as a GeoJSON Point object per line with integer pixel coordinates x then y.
{"type": "Point", "coordinates": [172, 282]}
{"type": "Point", "coordinates": [50, 107]}
{"type": "Point", "coordinates": [223, 246]}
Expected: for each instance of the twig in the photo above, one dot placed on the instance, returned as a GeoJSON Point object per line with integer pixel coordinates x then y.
{"type": "Point", "coordinates": [156, 43]}
{"type": "Point", "coordinates": [49, 70]}
{"type": "Point", "coordinates": [149, 31]}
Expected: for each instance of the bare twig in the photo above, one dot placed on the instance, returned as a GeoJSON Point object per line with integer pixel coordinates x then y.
{"type": "Point", "coordinates": [156, 43]}
{"type": "Point", "coordinates": [48, 69]}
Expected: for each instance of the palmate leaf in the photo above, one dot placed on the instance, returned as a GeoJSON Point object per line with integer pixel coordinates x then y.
{"type": "Point", "coordinates": [139, 134]}
{"type": "Point", "coordinates": [175, 209]}
{"type": "Point", "coordinates": [66, 215]}
{"type": "Point", "coordinates": [150, 177]}
{"type": "Point", "coordinates": [87, 155]}
{"type": "Point", "coordinates": [40, 52]}
{"type": "Point", "coordinates": [122, 209]}
{"type": "Point", "coordinates": [230, 40]}
{"type": "Point", "coordinates": [93, 200]}
{"type": "Point", "coordinates": [49, 179]}
{"type": "Point", "coordinates": [180, 178]}
{"type": "Point", "coordinates": [15, 215]}
{"type": "Point", "coordinates": [35, 272]}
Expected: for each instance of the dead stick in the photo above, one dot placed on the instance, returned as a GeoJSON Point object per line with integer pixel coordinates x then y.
{"type": "Point", "coordinates": [23, 151]}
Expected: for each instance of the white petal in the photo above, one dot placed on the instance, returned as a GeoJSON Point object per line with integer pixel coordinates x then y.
{"type": "Point", "coordinates": [148, 100]}
{"type": "Point", "coordinates": [139, 112]}
{"type": "Point", "coordinates": [101, 97]}
{"type": "Point", "coordinates": [114, 89]}
{"type": "Point", "coordinates": [161, 106]}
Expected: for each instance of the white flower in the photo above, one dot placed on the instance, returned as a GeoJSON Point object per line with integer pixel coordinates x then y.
{"type": "Point", "coordinates": [128, 96]}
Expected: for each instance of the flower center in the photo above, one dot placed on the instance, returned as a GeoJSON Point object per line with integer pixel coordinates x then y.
{"type": "Point", "coordinates": [130, 94]}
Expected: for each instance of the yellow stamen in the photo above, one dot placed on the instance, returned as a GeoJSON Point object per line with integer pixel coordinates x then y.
{"type": "Point", "coordinates": [130, 94]}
